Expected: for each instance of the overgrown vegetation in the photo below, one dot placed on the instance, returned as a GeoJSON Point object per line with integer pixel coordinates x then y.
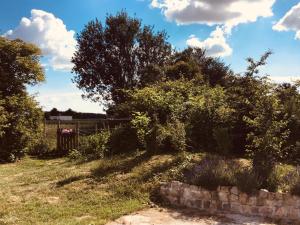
{"type": "Point", "coordinates": [180, 103]}
{"type": "Point", "coordinates": [213, 171]}
{"type": "Point", "coordinates": [186, 100]}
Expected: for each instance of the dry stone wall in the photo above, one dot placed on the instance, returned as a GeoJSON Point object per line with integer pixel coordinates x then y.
{"type": "Point", "coordinates": [230, 199]}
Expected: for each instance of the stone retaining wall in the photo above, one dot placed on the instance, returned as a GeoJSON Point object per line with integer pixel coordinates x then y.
{"type": "Point", "coordinates": [230, 199]}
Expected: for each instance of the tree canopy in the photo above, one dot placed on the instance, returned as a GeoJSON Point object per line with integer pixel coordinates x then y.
{"type": "Point", "coordinates": [20, 117]}
{"type": "Point", "coordinates": [116, 56]}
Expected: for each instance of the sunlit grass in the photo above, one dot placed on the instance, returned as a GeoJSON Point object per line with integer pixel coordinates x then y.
{"type": "Point", "coordinates": [59, 191]}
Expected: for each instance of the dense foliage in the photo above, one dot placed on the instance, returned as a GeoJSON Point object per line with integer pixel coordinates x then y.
{"type": "Point", "coordinates": [20, 116]}
{"type": "Point", "coordinates": [119, 55]}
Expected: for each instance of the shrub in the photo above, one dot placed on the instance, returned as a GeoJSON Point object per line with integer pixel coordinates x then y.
{"type": "Point", "coordinates": [167, 138]}
{"type": "Point", "coordinates": [295, 190]}
{"type": "Point", "coordinates": [208, 112]}
{"type": "Point", "coordinates": [223, 140]}
{"type": "Point", "coordinates": [41, 148]}
{"type": "Point", "coordinates": [140, 123]}
{"type": "Point", "coordinates": [23, 128]}
{"type": "Point", "coordinates": [123, 139]}
{"type": "Point", "coordinates": [74, 154]}
{"type": "Point", "coordinates": [212, 172]}
{"type": "Point", "coordinates": [291, 181]}
{"type": "Point", "coordinates": [94, 146]}
{"type": "Point", "coordinates": [247, 181]}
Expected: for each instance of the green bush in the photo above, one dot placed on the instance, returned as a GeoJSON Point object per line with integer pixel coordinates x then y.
{"type": "Point", "coordinates": [212, 172]}
{"type": "Point", "coordinates": [295, 190]}
{"type": "Point", "coordinates": [94, 146]}
{"type": "Point", "coordinates": [167, 138]}
{"type": "Point", "coordinates": [123, 139]}
{"type": "Point", "coordinates": [223, 140]}
{"type": "Point", "coordinates": [74, 154]}
{"type": "Point", "coordinates": [40, 149]}
{"type": "Point", "coordinates": [247, 181]}
{"type": "Point", "coordinates": [291, 181]}
{"type": "Point", "coordinates": [140, 122]}
{"type": "Point", "coordinates": [23, 127]}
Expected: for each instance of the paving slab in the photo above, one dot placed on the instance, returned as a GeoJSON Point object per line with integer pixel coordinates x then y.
{"type": "Point", "coordinates": [158, 216]}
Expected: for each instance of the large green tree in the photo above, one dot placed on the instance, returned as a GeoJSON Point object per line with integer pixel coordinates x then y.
{"type": "Point", "coordinates": [117, 56]}
{"type": "Point", "coordinates": [20, 119]}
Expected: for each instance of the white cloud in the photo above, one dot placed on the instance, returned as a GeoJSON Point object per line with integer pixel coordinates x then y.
{"type": "Point", "coordinates": [64, 100]}
{"type": "Point", "coordinates": [290, 21]}
{"type": "Point", "coordinates": [283, 79]}
{"type": "Point", "coordinates": [225, 14]}
{"type": "Point", "coordinates": [214, 12]}
{"type": "Point", "coordinates": [215, 45]}
{"type": "Point", "coordinates": [50, 34]}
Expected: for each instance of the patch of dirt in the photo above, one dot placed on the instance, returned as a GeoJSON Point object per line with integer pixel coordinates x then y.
{"type": "Point", "coordinates": [185, 217]}
{"type": "Point", "coordinates": [81, 218]}
{"type": "Point", "coordinates": [52, 200]}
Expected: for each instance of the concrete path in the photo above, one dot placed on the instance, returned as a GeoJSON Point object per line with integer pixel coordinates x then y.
{"type": "Point", "coordinates": [156, 216]}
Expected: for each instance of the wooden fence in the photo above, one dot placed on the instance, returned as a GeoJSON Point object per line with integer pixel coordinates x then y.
{"type": "Point", "coordinates": [65, 135]}
{"type": "Point", "coordinates": [67, 139]}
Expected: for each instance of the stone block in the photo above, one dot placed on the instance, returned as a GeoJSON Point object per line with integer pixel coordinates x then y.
{"type": "Point", "coordinates": [234, 198]}
{"type": "Point", "coordinates": [206, 204]}
{"type": "Point", "coordinates": [254, 210]}
{"type": "Point", "coordinates": [198, 204]}
{"type": "Point", "coordinates": [280, 212]}
{"type": "Point", "coordinates": [226, 206]}
{"type": "Point", "coordinates": [263, 193]}
{"type": "Point", "coordinates": [214, 205]}
{"type": "Point", "coordinates": [224, 189]}
{"type": "Point", "coordinates": [289, 200]}
{"type": "Point", "coordinates": [272, 196]}
{"type": "Point", "coordinates": [234, 191]}
{"type": "Point", "coordinates": [175, 190]}
{"type": "Point", "coordinates": [223, 196]}
{"type": "Point", "coordinates": [236, 208]}
{"type": "Point", "coordinates": [214, 195]}
{"type": "Point", "coordinates": [260, 201]}
{"type": "Point", "coordinates": [246, 209]}
{"type": "Point", "coordinates": [293, 214]}
{"type": "Point", "coordinates": [252, 201]}
{"type": "Point", "coordinates": [206, 194]}
{"type": "Point", "coordinates": [243, 198]}
{"type": "Point", "coordinates": [265, 211]}
{"type": "Point", "coordinates": [173, 200]}
{"type": "Point", "coordinates": [270, 203]}
{"type": "Point", "coordinates": [278, 196]}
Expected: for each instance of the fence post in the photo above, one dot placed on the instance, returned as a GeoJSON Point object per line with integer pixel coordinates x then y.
{"type": "Point", "coordinates": [96, 127]}
{"type": "Point", "coordinates": [77, 135]}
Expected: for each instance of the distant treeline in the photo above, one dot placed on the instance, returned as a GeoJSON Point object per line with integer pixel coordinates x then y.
{"type": "Point", "coordinates": [74, 114]}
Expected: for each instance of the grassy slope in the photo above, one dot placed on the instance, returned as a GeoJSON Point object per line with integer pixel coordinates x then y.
{"type": "Point", "coordinates": [58, 191]}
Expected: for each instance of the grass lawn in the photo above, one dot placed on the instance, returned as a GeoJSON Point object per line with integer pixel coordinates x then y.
{"type": "Point", "coordinates": [58, 191]}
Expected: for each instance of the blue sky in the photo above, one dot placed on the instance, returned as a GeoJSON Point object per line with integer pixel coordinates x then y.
{"type": "Point", "coordinates": [230, 29]}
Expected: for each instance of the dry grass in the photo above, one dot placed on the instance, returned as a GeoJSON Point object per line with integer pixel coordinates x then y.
{"type": "Point", "coordinates": [58, 191]}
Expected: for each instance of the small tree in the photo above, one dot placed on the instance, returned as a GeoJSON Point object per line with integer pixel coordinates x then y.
{"type": "Point", "coordinates": [267, 125]}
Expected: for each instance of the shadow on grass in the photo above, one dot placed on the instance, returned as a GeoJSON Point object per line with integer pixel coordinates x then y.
{"type": "Point", "coordinates": [70, 180]}
{"type": "Point", "coordinates": [109, 166]}
{"type": "Point", "coordinates": [125, 166]}
{"type": "Point", "coordinates": [54, 154]}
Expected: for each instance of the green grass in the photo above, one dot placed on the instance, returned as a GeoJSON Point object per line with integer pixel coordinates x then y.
{"type": "Point", "coordinates": [59, 191]}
